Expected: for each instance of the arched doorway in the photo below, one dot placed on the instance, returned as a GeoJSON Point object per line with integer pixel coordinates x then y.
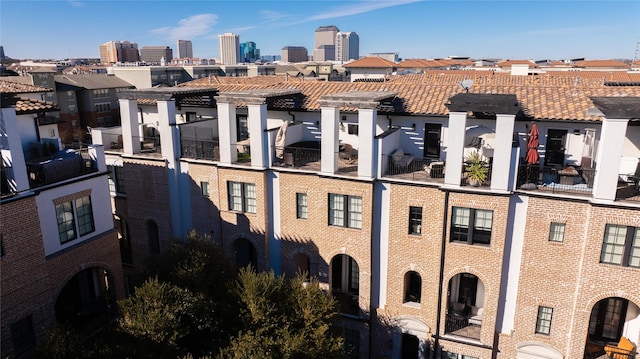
{"type": "Point", "coordinates": [87, 301]}
{"type": "Point", "coordinates": [465, 306]}
{"type": "Point", "coordinates": [345, 283]}
{"type": "Point", "coordinates": [245, 253]}
{"type": "Point", "coordinates": [611, 319]}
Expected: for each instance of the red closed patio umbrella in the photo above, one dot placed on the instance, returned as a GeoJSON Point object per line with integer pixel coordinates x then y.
{"type": "Point", "coordinates": [532, 146]}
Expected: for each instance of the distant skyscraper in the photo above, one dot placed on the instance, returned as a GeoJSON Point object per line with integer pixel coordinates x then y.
{"type": "Point", "coordinates": [119, 51]}
{"type": "Point", "coordinates": [154, 54]}
{"type": "Point", "coordinates": [248, 52]}
{"type": "Point", "coordinates": [294, 54]}
{"type": "Point", "coordinates": [229, 48]}
{"type": "Point", "coordinates": [325, 41]}
{"type": "Point", "coordinates": [2, 56]}
{"type": "Point", "coordinates": [185, 49]}
{"type": "Point", "coordinates": [347, 46]}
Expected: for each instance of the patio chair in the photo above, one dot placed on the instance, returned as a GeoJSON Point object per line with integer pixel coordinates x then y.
{"type": "Point", "coordinates": [476, 316]}
{"type": "Point", "coordinates": [623, 350]}
{"type": "Point", "coordinates": [635, 177]}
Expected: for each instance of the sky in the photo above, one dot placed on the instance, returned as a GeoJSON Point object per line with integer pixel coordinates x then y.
{"type": "Point", "coordinates": [507, 29]}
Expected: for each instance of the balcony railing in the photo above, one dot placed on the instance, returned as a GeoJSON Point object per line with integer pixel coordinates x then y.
{"type": "Point", "coordinates": [207, 149]}
{"type": "Point", "coordinates": [551, 179]}
{"type": "Point", "coordinates": [423, 170]}
{"type": "Point", "coordinates": [299, 157]}
{"type": "Point", "coordinates": [459, 326]}
{"type": "Point", "coordinates": [149, 144]}
{"type": "Point", "coordinates": [60, 166]}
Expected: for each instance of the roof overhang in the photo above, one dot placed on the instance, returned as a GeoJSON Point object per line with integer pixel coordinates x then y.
{"type": "Point", "coordinates": [184, 96]}
{"type": "Point", "coordinates": [618, 107]}
{"type": "Point", "coordinates": [356, 99]}
{"type": "Point", "coordinates": [258, 96]}
{"type": "Point", "coordinates": [503, 104]}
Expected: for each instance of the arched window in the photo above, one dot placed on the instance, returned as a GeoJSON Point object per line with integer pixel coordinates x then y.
{"type": "Point", "coordinates": [152, 237]}
{"type": "Point", "coordinates": [245, 253]}
{"type": "Point", "coordinates": [412, 287]}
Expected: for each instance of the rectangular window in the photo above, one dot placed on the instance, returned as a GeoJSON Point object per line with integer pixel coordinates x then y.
{"type": "Point", "coordinates": [415, 220]}
{"type": "Point", "coordinates": [84, 213]}
{"type": "Point", "coordinates": [22, 335]}
{"type": "Point", "coordinates": [472, 226]}
{"type": "Point", "coordinates": [345, 211]}
{"type": "Point", "coordinates": [621, 246]}
{"type": "Point", "coordinates": [66, 222]}
{"type": "Point", "coordinates": [191, 116]}
{"type": "Point", "coordinates": [352, 129]}
{"type": "Point", "coordinates": [204, 189]}
{"type": "Point", "coordinates": [116, 179]}
{"type": "Point", "coordinates": [242, 197]}
{"type": "Point", "coordinates": [74, 218]}
{"type": "Point", "coordinates": [301, 205]}
{"type": "Point", "coordinates": [242, 127]}
{"type": "Point", "coordinates": [543, 323]}
{"type": "Point", "coordinates": [556, 232]}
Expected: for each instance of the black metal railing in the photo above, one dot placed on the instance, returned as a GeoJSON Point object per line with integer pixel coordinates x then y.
{"type": "Point", "coordinates": [60, 167]}
{"type": "Point", "coordinates": [207, 149]}
{"type": "Point", "coordinates": [149, 144]}
{"type": "Point", "coordinates": [460, 326]}
{"type": "Point", "coordinates": [476, 175]}
{"type": "Point", "coordinates": [298, 157]}
{"type": "Point", "coordinates": [418, 169]}
{"type": "Point", "coordinates": [556, 180]}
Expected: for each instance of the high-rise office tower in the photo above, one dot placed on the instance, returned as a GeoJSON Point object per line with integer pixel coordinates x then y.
{"type": "Point", "coordinates": [185, 49]}
{"type": "Point", "coordinates": [249, 52]}
{"type": "Point", "coordinates": [229, 48]}
{"type": "Point", "coordinates": [347, 46]}
{"type": "Point", "coordinates": [325, 41]}
{"type": "Point", "coordinates": [294, 54]}
{"type": "Point", "coordinates": [154, 54]}
{"type": "Point", "coordinates": [119, 51]}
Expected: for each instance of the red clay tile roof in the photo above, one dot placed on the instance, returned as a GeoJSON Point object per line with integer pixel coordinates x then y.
{"type": "Point", "coordinates": [602, 63]}
{"type": "Point", "coordinates": [28, 105]}
{"type": "Point", "coordinates": [371, 62]}
{"type": "Point", "coordinates": [14, 87]}
{"type": "Point", "coordinates": [545, 96]}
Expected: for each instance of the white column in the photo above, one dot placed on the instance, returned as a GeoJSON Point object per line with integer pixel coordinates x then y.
{"type": "Point", "coordinates": [455, 148]}
{"type": "Point", "coordinates": [169, 136]}
{"type": "Point", "coordinates": [501, 168]}
{"type": "Point", "coordinates": [227, 131]}
{"type": "Point", "coordinates": [12, 153]}
{"type": "Point", "coordinates": [129, 123]}
{"type": "Point", "coordinates": [257, 127]}
{"type": "Point", "coordinates": [96, 153]}
{"type": "Point", "coordinates": [367, 118]}
{"type": "Point", "coordinates": [330, 117]}
{"type": "Point", "coordinates": [608, 159]}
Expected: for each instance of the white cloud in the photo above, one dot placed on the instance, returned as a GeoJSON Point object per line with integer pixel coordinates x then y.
{"type": "Point", "coordinates": [189, 28]}
{"type": "Point", "coordinates": [273, 16]}
{"type": "Point", "coordinates": [360, 7]}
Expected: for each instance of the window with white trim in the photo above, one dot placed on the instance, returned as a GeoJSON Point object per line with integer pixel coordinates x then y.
{"type": "Point", "coordinates": [204, 189]}
{"type": "Point", "coordinates": [543, 322]}
{"type": "Point", "coordinates": [470, 225]}
{"type": "Point", "coordinates": [415, 220]}
{"type": "Point", "coordinates": [621, 245]}
{"type": "Point", "coordinates": [301, 205]}
{"type": "Point", "coordinates": [75, 218]}
{"type": "Point", "coordinates": [556, 232]}
{"type": "Point", "coordinates": [345, 211]}
{"type": "Point", "coordinates": [242, 197]}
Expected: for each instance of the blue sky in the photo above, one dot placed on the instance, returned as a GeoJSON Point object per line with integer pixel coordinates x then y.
{"type": "Point", "coordinates": [509, 29]}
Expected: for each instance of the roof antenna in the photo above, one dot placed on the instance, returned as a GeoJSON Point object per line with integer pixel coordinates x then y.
{"type": "Point", "coordinates": [466, 85]}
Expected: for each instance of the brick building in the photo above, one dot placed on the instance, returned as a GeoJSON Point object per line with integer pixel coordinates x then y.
{"type": "Point", "coordinates": [364, 185]}
{"type": "Point", "coordinates": [60, 256]}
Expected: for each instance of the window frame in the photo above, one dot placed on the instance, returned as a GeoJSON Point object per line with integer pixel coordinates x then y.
{"type": "Point", "coordinates": [302, 205]}
{"type": "Point", "coordinates": [544, 319]}
{"type": "Point", "coordinates": [82, 221]}
{"type": "Point", "coordinates": [204, 189]}
{"type": "Point", "coordinates": [466, 233]}
{"type": "Point", "coordinates": [555, 235]}
{"type": "Point", "coordinates": [630, 248]}
{"type": "Point", "coordinates": [350, 218]}
{"type": "Point", "coordinates": [247, 203]}
{"type": "Point", "coordinates": [415, 220]}
{"type": "Point", "coordinates": [242, 127]}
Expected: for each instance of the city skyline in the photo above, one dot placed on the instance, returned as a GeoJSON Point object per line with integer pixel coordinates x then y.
{"type": "Point", "coordinates": [413, 28]}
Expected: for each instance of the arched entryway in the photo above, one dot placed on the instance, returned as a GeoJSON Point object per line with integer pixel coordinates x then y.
{"type": "Point", "coordinates": [465, 306]}
{"type": "Point", "coordinates": [611, 319]}
{"type": "Point", "coordinates": [87, 301]}
{"type": "Point", "coordinates": [245, 253]}
{"type": "Point", "coordinates": [345, 283]}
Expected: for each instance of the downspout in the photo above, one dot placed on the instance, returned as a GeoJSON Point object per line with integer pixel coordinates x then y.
{"type": "Point", "coordinates": [436, 344]}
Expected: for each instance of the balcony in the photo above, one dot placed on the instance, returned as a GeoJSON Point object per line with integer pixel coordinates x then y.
{"type": "Point", "coordinates": [300, 155]}
{"type": "Point", "coordinates": [60, 166]}
{"type": "Point", "coordinates": [551, 179]}
{"type": "Point", "coordinates": [417, 170]}
{"type": "Point", "coordinates": [200, 148]}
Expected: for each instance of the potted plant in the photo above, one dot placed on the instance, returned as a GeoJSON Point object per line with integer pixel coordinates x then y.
{"type": "Point", "coordinates": [476, 169]}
